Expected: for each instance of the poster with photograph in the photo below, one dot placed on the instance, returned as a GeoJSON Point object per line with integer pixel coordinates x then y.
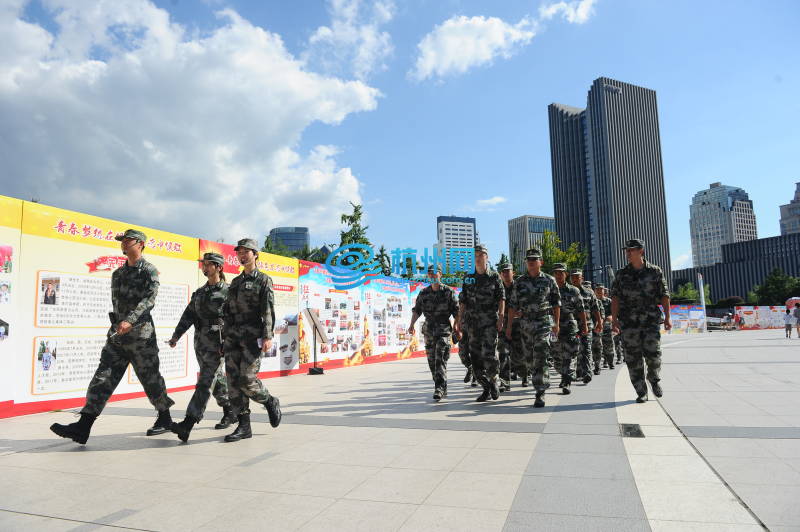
{"type": "Point", "coordinates": [761, 317]}
{"type": "Point", "coordinates": [10, 235]}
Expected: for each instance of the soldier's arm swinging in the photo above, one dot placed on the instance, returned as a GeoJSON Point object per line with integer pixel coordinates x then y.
{"type": "Point", "coordinates": [584, 325]}
{"type": "Point", "coordinates": [414, 318]}
{"type": "Point", "coordinates": [268, 315]}
{"type": "Point", "coordinates": [615, 314]}
{"type": "Point", "coordinates": [501, 308]}
{"type": "Point", "coordinates": [556, 320]}
{"type": "Point", "coordinates": [188, 319]}
{"type": "Point", "coordinates": [665, 305]}
{"type": "Point", "coordinates": [460, 318]}
{"type": "Point", "coordinates": [146, 304]}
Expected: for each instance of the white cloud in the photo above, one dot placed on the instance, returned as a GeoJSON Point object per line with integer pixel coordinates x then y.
{"type": "Point", "coordinates": [120, 113]}
{"type": "Point", "coordinates": [353, 43]}
{"type": "Point", "coordinates": [461, 43]}
{"type": "Point", "coordinates": [574, 12]}
{"type": "Point", "coordinates": [681, 261]}
{"type": "Point", "coordinates": [491, 202]}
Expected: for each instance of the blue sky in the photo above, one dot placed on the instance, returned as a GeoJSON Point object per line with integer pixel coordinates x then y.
{"type": "Point", "coordinates": [466, 133]}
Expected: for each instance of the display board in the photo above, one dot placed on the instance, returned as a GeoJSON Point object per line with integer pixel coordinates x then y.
{"type": "Point", "coordinates": [10, 234]}
{"type": "Point", "coordinates": [64, 297]}
{"type": "Point", "coordinates": [762, 317]}
{"type": "Point", "coordinates": [687, 319]}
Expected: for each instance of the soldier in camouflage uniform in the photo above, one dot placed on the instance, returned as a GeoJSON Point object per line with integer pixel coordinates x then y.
{"type": "Point", "coordinates": [565, 348]}
{"type": "Point", "coordinates": [510, 352]}
{"type": "Point", "coordinates": [481, 309]}
{"type": "Point", "coordinates": [598, 355]}
{"type": "Point", "coordinates": [536, 301]}
{"type": "Point", "coordinates": [637, 291]}
{"type": "Point", "coordinates": [249, 315]}
{"type": "Point", "coordinates": [616, 337]}
{"type": "Point", "coordinates": [593, 320]}
{"type": "Point", "coordinates": [607, 336]}
{"type": "Point", "coordinates": [131, 340]}
{"type": "Point", "coordinates": [462, 339]}
{"type": "Point", "coordinates": [437, 302]}
{"type": "Point", "coordinates": [204, 312]}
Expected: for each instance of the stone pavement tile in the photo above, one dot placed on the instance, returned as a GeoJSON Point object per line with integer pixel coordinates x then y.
{"type": "Point", "coordinates": [266, 475]}
{"type": "Point", "coordinates": [508, 440]}
{"type": "Point", "coordinates": [781, 448]}
{"type": "Point", "coordinates": [558, 427]}
{"type": "Point", "coordinates": [324, 480]}
{"type": "Point", "coordinates": [348, 434]}
{"type": "Point", "coordinates": [660, 431]}
{"type": "Point", "coordinates": [190, 509]}
{"type": "Point", "coordinates": [277, 512]}
{"type": "Point", "coordinates": [659, 446]}
{"type": "Point", "coordinates": [429, 518]}
{"type": "Point", "coordinates": [166, 467]}
{"type": "Point", "coordinates": [756, 470]}
{"type": "Point", "coordinates": [429, 458]}
{"type": "Point", "coordinates": [586, 496]}
{"type": "Point", "coordinates": [686, 526]}
{"type": "Point", "coordinates": [312, 451]}
{"type": "Point", "coordinates": [364, 454]}
{"type": "Point", "coordinates": [680, 468]}
{"type": "Point", "coordinates": [775, 505]}
{"type": "Point", "coordinates": [402, 436]}
{"type": "Point", "coordinates": [410, 486]}
{"type": "Point", "coordinates": [454, 438]}
{"type": "Point", "coordinates": [580, 465]}
{"type": "Point", "coordinates": [734, 447]}
{"type": "Point", "coordinates": [365, 516]}
{"type": "Point", "coordinates": [691, 501]}
{"type": "Point", "coordinates": [485, 491]}
{"type": "Point", "coordinates": [761, 420]}
{"type": "Point", "coordinates": [525, 521]}
{"type": "Point", "coordinates": [504, 461]}
{"type": "Point", "coordinates": [785, 529]}
{"type": "Point", "coordinates": [16, 522]}
{"type": "Point", "coordinates": [580, 443]}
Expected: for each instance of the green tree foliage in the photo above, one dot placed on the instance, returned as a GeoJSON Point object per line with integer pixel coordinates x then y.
{"type": "Point", "coordinates": [552, 253]}
{"type": "Point", "coordinates": [728, 302]}
{"type": "Point", "coordinates": [385, 261]}
{"type": "Point", "coordinates": [686, 293]}
{"type": "Point", "coordinates": [777, 288]}
{"type": "Point", "coordinates": [503, 260]}
{"type": "Point", "coordinates": [354, 232]}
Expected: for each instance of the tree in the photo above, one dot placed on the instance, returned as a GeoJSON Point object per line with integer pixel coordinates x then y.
{"type": "Point", "coordinates": [275, 247]}
{"type": "Point", "coordinates": [573, 257]}
{"type": "Point", "coordinates": [752, 298]}
{"type": "Point", "coordinates": [728, 302]}
{"type": "Point", "coordinates": [503, 260]}
{"type": "Point", "coordinates": [707, 293]}
{"type": "Point", "coordinates": [385, 261]}
{"type": "Point", "coordinates": [686, 293]}
{"type": "Point", "coordinates": [355, 233]}
{"type": "Point", "coordinates": [777, 288]}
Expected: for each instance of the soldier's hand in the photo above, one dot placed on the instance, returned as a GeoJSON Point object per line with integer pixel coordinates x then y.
{"type": "Point", "coordinates": [172, 342]}
{"type": "Point", "coordinates": [584, 330]}
{"type": "Point", "coordinates": [599, 328]}
{"type": "Point", "coordinates": [266, 345]}
{"type": "Point", "coordinates": [411, 330]}
{"type": "Point", "coordinates": [556, 329]}
{"type": "Point", "coordinates": [667, 323]}
{"type": "Point", "coordinates": [508, 333]}
{"type": "Point", "coordinates": [124, 328]}
{"type": "Point", "coordinates": [457, 334]}
{"type": "Point", "coordinates": [615, 326]}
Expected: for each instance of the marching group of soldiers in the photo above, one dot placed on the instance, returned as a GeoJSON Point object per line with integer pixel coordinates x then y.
{"type": "Point", "coordinates": [511, 328]}
{"type": "Point", "coordinates": [233, 327]}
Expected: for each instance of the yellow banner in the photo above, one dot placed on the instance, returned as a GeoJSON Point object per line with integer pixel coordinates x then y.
{"type": "Point", "coordinates": [52, 222]}
{"type": "Point", "coordinates": [10, 212]}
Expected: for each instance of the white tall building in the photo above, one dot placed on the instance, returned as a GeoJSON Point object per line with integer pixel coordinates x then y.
{"type": "Point", "coordinates": [524, 232]}
{"type": "Point", "coordinates": [455, 232]}
{"type": "Point", "coordinates": [719, 215]}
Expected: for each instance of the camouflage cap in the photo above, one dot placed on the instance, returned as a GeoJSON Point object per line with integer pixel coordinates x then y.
{"type": "Point", "coordinates": [436, 268]}
{"type": "Point", "coordinates": [132, 233]}
{"type": "Point", "coordinates": [216, 258]}
{"type": "Point", "coordinates": [505, 266]}
{"type": "Point", "coordinates": [587, 283]}
{"type": "Point", "coordinates": [480, 248]}
{"type": "Point", "coordinates": [247, 243]}
{"type": "Point", "coordinates": [533, 253]}
{"type": "Point", "coordinates": [599, 285]}
{"type": "Point", "coordinates": [634, 243]}
{"type": "Point", "coordinates": [559, 267]}
{"type": "Point", "coordinates": [576, 271]}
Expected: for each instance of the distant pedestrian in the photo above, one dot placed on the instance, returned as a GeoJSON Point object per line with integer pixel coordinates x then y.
{"type": "Point", "coordinates": [788, 321]}
{"type": "Point", "coordinates": [796, 315]}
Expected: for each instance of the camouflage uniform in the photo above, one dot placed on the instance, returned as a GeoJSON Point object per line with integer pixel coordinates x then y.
{"type": "Point", "coordinates": [463, 350]}
{"type": "Point", "coordinates": [249, 314]}
{"type": "Point", "coordinates": [618, 347]}
{"type": "Point", "coordinates": [510, 354]}
{"type": "Point", "coordinates": [437, 306]}
{"type": "Point", "coordinates": [566, 348]}
{"type": "Point", "coordinates": [639, 294]}
{"type": "Point", "coordinates": [590, 305]}
{"type": "Point", "coordinates": [133, 296]}
{"type": "Point", "coordinates": [535, 298]}
{"type": "Point", "coordinates": [481, 295]}
{"type": "Point", "coordinates": [598, 354]}
{"type": "Point", "coordinates": [608, 333]}
{"type": "Point", "coordinates": [204, 311]}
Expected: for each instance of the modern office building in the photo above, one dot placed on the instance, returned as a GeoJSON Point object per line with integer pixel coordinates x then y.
{"type": "Point", "coordinates": [744, 265]}
{"type": "Point", "coordinates": [456, 231]}
{"type": "Point", "coordinates": [294, 238]}
{"type": "Point", "coordinates": [718, 215]}
{"type": "Point", "coordinates": [608, 178]}
{"type": "Point", "coordinates": [790, 214]}
{"type": "Point", "coordinates": [524, 232]}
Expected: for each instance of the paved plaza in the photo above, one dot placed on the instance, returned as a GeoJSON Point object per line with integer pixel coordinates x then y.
{"type": "Point", "coordinates": [366, 448]}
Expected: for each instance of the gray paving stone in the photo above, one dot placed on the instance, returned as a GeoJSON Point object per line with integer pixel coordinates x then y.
{"type": "Point", "coordinates": [579, 496]}
{"type": "Point", "coordinates": [580, 465]}
{"type": "Point", "coordinates": [524, 521]}
{"type": "Point", "coordinates": [580, 443]}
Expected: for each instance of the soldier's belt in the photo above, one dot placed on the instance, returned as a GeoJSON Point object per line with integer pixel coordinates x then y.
{"type": "Point", "coordinates": [214, 324]}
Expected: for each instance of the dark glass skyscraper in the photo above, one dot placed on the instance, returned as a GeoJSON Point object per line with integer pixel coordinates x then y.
{"type": "Point", "coordinates": [608, 178]}
{"type": "Point", "coordinates": [294, 238]}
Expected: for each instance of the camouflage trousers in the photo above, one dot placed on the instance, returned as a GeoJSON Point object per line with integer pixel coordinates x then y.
{"type": "Point", "coordinates": [463, 349]}
{"type": "Point", "coordinates": [584, 364]}
{"type": "Point", "coordinates": [618, 347]}
{"type": "Point", "coordinates": [438, 350]}
{"type": "Point", "coordinates": [139, 351]}
{"type": "Point", "coordinates": [565, 351]}
{"type": "Point", "coordinates": [642, 345]}
{"type": "Point", "coordinates": [608, 346]}
{"type": "Point", "coordinates": [242, 362]}
{"type": "Point", "coordinates": [482, 346]}
{"type": "Point", "coordinates": [536, 346]}
{"type": "Point", "coordinates": [211, 380]}
{"type": "Point", "coordinates": [510, 355]}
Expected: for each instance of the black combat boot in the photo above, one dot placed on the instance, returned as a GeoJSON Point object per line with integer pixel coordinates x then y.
{"type": "Point", "coordinates": [227, 418]}
{"type": "Point", "coordinates": [539, 402]}
{"type": "Point", "coordinates": [438, 394]}
{"type": "Point", "coordinates": [494, 391]}
{"type": "Point", "coordinates": [468, 377]}
{"type": "Point", "coordinates": [565, 382]}
{"type": "Point", "coordinates": [183, 428]}
{"type": "Point", "coordinates": [657, 391]}
{"type": "Point", "coordinates": [242, 429]}
{"type": "Point", "coordinates": [273, 407]}
{"type": "Point", "coordinates": [484, 396]}
{"type": "Point", "coordinates": [524, 382]}
{"type": "Point", "coordinates": [163, 424]}
{"type": "Point", "coordinates": [78, 431]}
